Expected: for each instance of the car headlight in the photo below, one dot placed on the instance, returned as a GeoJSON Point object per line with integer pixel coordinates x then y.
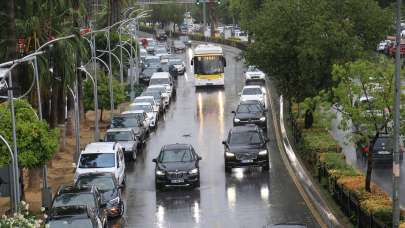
{"type": "Point", "coordinates": [229, 154]}
{"type": "Point", "coordinates": [263, 118]}
{"type": "Point", "coordinates": [193, 171]}
{"type": "Point", "coordinates": [263, 152]}
{"type": "Point", "coordinates": [160, 173]}
{"type": "Point", "coordinates": [236, 120]}
{"type": "Point", "coordinates": [114, 201]}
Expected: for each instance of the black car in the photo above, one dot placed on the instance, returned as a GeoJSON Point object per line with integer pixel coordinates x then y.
{"type": "Point", "coordinates": [158, 98]}
{"type": "Point", "coordinates": [109, 188]}
{"type": "Point", "coordinates": [177, 165]}
{"type": "Point", "coordinates": [177, 66]}
{"type": "Point", "coordinates": [246, 146]}
{"type": "Point", "coordinates": [71, 196]}
{"type": "Point", "coordinates": [250, 112]}
{"type": "Point", "coordinates": [383, 148]}
{"type": "Point", "coordinates": [147, 73]}
{"type": "Point", "coordinates": [131, 121]}
{"type": "Point", "coordinates": [73, 216]}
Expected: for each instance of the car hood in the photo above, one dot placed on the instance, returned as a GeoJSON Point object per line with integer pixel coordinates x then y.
{"type": "Point", "coordinates": [254, 148]}
{"type": "Point", "coordinates": [109, 195]}
{"type": "Point", "coordinates": [176, 166]}
{"type": "Point", "coordinates": [250, 115]}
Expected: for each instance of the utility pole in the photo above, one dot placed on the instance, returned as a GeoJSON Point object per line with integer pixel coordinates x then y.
{"type": "Point", "coordinates": [204, 16]}
{"type": "Point", "coordinates": [396, 169]}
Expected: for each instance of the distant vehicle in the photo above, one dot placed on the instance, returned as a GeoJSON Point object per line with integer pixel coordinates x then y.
{"type": "Point", "coordinates": [148, 108]}
{"type": "Point", "coordinates": [246, 146]}
{"type": "Point", "coordinates": [147, 73]}
{"type": "Point", "coordinates": [166, 96]}
{"type": "Point", "coordinates": [253, 73]}
{"type": "Point", "coordinates": [209, 63]}
{"type": "Point", "coordinates": [127, 139]}
{"type": "Point", "coordinates": [160, 35]}
{"type": "Point", "coordinates": [177, 165]}
{"type": "Point", "coordinates": [241, 35]}
{"type": "Point", "coordinates": [73, 216]}
{"type": "Point", "coordinates": [383, 148]}
{"type": "Point", "coordinates": [178, 46]}
{"type": "Point", "coordinates": [102, 157]}
{"type": "Point", "coordinates": [186, 40]}
{"type": "Point", "coordinates": [178, 66]}
{"type": "Point", "coordinates": [73, 198]}
{"type": "Point", "coordinates": [157, 95]}
{"type": "Point", "coordinates": [383, 46]}
{"type": "Point", "coordinates": [160, 51]}
{"type": "Point", "coordinates": [250, 112]}
{"type": "Point", "coordinates": [131, 121]}
{"type": "Point", "coordinates": [150, 100]}
{"type": "Point", "coordinates": [109, 189]}
{"type": "Point", "coordinates": [151, 44]}
{"type": "Point", "coordinates": [253, 92]}
{"type": "Point", "coordinates": [151, 61]}
{"type": "Point", "coordinates": [165, 79]}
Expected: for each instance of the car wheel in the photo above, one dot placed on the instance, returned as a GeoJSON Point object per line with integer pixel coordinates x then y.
{"type": "Point", "coordinates": [159, 187]}
{"type": "Point", "coordinates": [197, 184]}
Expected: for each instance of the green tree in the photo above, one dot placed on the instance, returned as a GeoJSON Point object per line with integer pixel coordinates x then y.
{"type": "Point", "coordinates": [36, 142]}
{"type": "Point", "coordinates": [103, 93]}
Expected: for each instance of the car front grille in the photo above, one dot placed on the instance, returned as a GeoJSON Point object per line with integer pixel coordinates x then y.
{"type": "Point", "coordinates": [245, 156]}
{"type": "Point", "coordinates": [176, 175]}
{"type": "Point", "coordinates": [249, 120]}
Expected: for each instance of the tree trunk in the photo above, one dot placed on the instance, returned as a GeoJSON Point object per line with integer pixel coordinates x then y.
{"type": "Point", "coordinates": [370, 163]}
{"type": "Point", "coordinates": [101, 115]}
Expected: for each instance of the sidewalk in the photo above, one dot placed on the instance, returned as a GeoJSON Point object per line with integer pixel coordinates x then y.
{"type": "Point", "coordinates": [382, 175]}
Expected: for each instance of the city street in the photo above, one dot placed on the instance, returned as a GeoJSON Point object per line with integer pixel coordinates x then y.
{"type": "Point", "coordinates": [244, 198]}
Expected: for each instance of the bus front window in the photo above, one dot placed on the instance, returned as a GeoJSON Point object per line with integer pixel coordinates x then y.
{"type": "Point", "coordinates": [208, 65]}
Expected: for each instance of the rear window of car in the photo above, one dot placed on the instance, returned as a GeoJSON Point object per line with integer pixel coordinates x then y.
{"type": "Point", "coordinates": [146, 108]}
{"type": "Point", "coordinates": [116, 136]}
{"type": "Point", "coordinates": [159, 81]}
{"type": "Point", "coordinates": [125, 122]}
{"type": "Point", "coordinates": [245, 138]}
{"type": "Point", "coordinates": [97, 160]}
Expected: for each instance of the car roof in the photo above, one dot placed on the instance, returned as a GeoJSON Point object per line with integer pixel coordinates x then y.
{"type": "Point", "coordinates": [176, 146]}
{"type": "Point", "coordinates": [145, 97]}
{"type": "Point", "coordinates": [118, 129]}
{"type": "Point", "coordinates": [244, 128]}
{"type": "Point", "coordinates": [157, 86]}
{"type": "Point", "coordinates": [160, 75]}
{"type": "Point", "coordinates": [97, 147]}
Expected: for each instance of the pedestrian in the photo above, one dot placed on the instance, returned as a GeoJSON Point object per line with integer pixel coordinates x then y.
{"type": "Point", "coordinates": [309, 119]}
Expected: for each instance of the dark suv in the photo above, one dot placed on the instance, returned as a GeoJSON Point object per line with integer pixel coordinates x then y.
{"type": "Point", "coordinates": [250, 112]}
{"type": "Point", "coordinates": [246, 146]}
{"type": "Point", "coordinates": [71, 196]}
{"type": "Point", "coordinates": [383, 148]}
{"type": "Point", "coordinates": [177, 165]}
{"type": "Point", "coordinates": [73, 216]}
{"type": "Point", "coordinates": [108, 187]}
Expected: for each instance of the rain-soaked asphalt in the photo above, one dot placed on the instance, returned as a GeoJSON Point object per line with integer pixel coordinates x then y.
{"type": "Point", "coordinates": [243, 198]}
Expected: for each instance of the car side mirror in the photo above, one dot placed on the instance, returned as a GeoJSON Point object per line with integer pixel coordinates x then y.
{"type": "Point", "coordinates": [154, 160]}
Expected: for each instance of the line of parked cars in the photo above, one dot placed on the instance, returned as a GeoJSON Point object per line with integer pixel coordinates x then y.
{"type": "Point", "coordinates": [100, 177]}
{"type": "Point", "coordinates": [246, 144]}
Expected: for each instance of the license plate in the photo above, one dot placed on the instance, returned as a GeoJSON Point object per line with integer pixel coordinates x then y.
{"type": "Point", "coordinates": [210, 83]}
{"type": "Point", "coordinates": [177, 181]}
{"type": "Point", "coordinates": [384, 152]}
{"type": "Point", "coordinates": [247, 161]}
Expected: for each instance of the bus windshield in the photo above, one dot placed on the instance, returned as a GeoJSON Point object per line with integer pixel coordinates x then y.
{"type": "Point", "coordinates": [208, 65]}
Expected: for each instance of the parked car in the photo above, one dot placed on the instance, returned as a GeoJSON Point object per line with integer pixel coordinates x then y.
{"type": "Point", "coordinates": [160, 51]}
{"type": "Point", "coordinates": [71, 197]}
{"type": "Point", "coordinates": [150, 112]}
{"type": "Point", "coordinates": [150, 45]}
{"type": "Point", "coordinates": [143, 123]}
{"type": "Point", "coordinates": [73, 216]}
{"type": "Point", "coordinates": [246, 146]}
{"type": "Point", "coordinates": [163, 90]}
{"type": "Point", "coordinates": [383, 148]}
{"type": "Point", "coordinates": [165, 79]}
{"type": "Point", "coordinates": [253, 73]}
{"type": "Point", "coordinates": [250, 112]}
{"type": "Point", "coordinates": [179, 67]}
{"type": "Point", "coordinates": [151, 61]}
{"type": "Point", "coordinates": [157, 95]}
{"type": "Point", "coordinates": [148, 99]}
{"type": "Point", "coordinates": [147, 73]}
{"type": "Point", "coordinates": [160, 35]}
{"type": "Point", "coordinates": [177, 165]}
{"type": "Point", "coordinates": [109, 189]}
{"type": "Point", "coordinates": [127, 139]}
{"type": "Point", "coordinates": [132, 121]}
{"type": "Point", "coordinates": [179, 46]}
{"type": "Point", "coordinates": [254, 92]}
{"type": "Point", "coordinates": [102, 157]}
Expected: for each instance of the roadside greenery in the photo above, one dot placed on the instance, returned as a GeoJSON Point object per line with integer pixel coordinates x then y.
{"type": "Point", "coordinates": [23, 219]}
{"type": "Point", "coordinates": [36, 142]}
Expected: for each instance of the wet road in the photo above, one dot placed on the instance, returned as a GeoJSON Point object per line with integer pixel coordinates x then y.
{"type": "Point", "coordinates": [243, 198]}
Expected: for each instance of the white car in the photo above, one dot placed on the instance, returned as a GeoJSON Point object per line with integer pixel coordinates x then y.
{"type": "Point", "coordinates": [162, 78]}
{"type": "Point", "coordinates": [106, 157]}
{"type": "Point", "coordinates": [253, 73]}
{"type": "Point", "coordinates": [254, 92]}
{"type": "Point", "coordinates": [148, 99]}
{"type": "Point", "coordinates": [148, 108]}
{"type": "Point", "coordinates": [162, 89]}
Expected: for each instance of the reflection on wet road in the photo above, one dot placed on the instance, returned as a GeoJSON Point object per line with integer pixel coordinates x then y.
{"type": "Point", "coordinates": [243, 198]}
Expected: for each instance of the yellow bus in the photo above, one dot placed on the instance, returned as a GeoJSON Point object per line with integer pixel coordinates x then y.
{"type": "Point", "coordinates": [209, 63]}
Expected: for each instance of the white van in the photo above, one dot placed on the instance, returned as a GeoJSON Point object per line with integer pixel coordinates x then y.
{"type": "Point", "coordinates": [105, 157]}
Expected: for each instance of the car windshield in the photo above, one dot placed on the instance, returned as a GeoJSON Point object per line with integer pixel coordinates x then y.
{"type": "Point", "coordinates": [176, 155]}
{"type": "Point", "coordinates": [152, 61]}
{"type": "Point", "coordinates": [125, 122]}
{"type": "Point", "coordinates": [97, 160]}
{"type": "Point", "coordinates": [253, 69]}
{"type": "Point", "coordinates": [384, 142]}
{"type": "Point", "coordinates": [146, 108]}
{"type": "Point", "coordinates": [178, 43]}
{"type": "Point", "coordinates": [103, 183]}
{"type": "Point", "coordinates": [245, 138]}
{"type": "Point", "coordinates": [158, 89]}
{"type": "Point", "coordinates": [251, 91]}
{"type": "Point", "coordinates": [69, 222]}
{"type": "Point", "coordinates": [116, 136]}
{"type": "Point", "coordinates": [74, 199]}
{"type": "Point", "coordinates": [248, 108]}
{"type": "Point", "coordinates": [160, 51]}
{"type": "Point", "coordinates": [159, 81]}
{"type": "Point", "coordinates": [155, 94]}
{"type": "Point", "coordinates": [144, 100]}
{"type": "Point", "coordinates": [208, 65]}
